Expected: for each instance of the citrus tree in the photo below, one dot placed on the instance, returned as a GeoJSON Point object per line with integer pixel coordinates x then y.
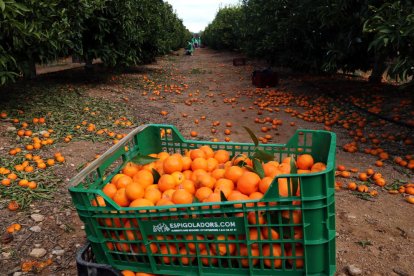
{"type": "Point", "coordinates": [26, 36]}
{"type": "Point", "coordinates": [225, 32]}
{"type": "Point", "coordinates": [8, 18]}
{"type": "Point", "coordinates": [173, 34]}
{"type": "Point", "coordinates": [392, 27]}
{"type": "Point", "coordinates": [125, 33]}
{"type": "Point", "coordinates": [120, 33]}
{"type": "Point", "coordinates": [34, 31]}
{"type": "Point", "coordinates": [323, 36]}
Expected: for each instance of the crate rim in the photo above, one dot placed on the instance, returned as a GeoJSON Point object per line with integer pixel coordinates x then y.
{"type": "Point", "coordinates": [95, 164]}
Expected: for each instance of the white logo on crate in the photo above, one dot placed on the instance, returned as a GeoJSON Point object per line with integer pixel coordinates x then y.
{"type": "Point", "coordinates": [161, 227]}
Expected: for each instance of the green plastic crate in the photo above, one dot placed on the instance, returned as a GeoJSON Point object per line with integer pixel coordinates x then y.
{"type": "Point", "coordinates": [143, 239]}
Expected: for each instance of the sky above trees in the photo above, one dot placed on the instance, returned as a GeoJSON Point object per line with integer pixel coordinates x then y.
{"type": "Point", "coordinates": [197, 14]}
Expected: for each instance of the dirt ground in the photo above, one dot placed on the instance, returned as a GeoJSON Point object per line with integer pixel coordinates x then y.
{"type": "Point", "coordinates": [374, 234]}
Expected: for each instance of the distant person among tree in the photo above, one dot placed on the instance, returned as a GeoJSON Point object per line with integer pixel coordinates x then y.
{"type": "Point", "coordinates": [189, 49]}
{"type": "Point", "coordinates": [195, 42]}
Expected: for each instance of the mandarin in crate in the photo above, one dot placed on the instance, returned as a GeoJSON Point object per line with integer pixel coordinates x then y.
{"type": "Point", "coordinates": [187, 185]}
{"type": "Point", "coordinates": [298, 253]}
{"type": "Point", "coordinates": [127, 273]}
{"type": "Point", "coordinates": [143, 178]}
{"type": "Point", "coordinates": [212, 164]}
{"type": "Point", "coordinates": [222, 156]}
{"type": "Point", "coordinates": [237, 196]}
{"type": "Point", "coordinates": [121, 198]}
{"type": "Point", "coordinates": [318, 167]}
{"type": "Point", "coordinates": [179, 177]}
{"type": "Point", "coordinates": [130, 169]}
{"type": "Point", "coordinates": [209, 153]}
{"type": "Point", "coordinates": [255, 235]}
{"type": "Point", "coordinates": [168, 249]}
{"type": "Point", "coordinates": [271, 169]}
{"type": "Point", "coordinates": [153, 195]}
{"type": "Point", "coordinates": [173, 164]}
{"type": "Point", "coordinates": [110, 190]}
{"type": "Point", "coordinates": [224, 248]}
{"type": "Point", "coordinates": [199, 163]}
{"type": "Point", "coordinates": [273, 250]}
{"type": "Point", "coordinates": [218, 173]}
{"type": "Point", "coordinates": [182, 196]}
{"type": "Point", "coordinates": [123, 181]}
{"type": "Point", "coordinates": [134, 191]}
{"type": "Point", "coordinates": [141, 202]}
{"type": "Point", "coordinates": [192, 246]}
{"type": "Point", "coordinates": [197, 153]}
{"type": "Point", "coordinates": [270, 233]}
{"type": "Point", "coordinates": [213, 197]}
{"type": "Point", "coordinates": [305, 162]}
{"type": "Point", "coordinates": [253, 252]}
{"type": "Point", "coordinates": [203, 193]}
{"type": "Point", "coordinates": [186, 163]}
{"type": "Point", "coordinates": [234, 173]}
{"type": "Point", "coordinates": [166, 182]}
{"type": "Point", "coordinates": [186, 259]}
{"type": "Point", "coordinates": [206, 180]}
{"type": "Point", "coordinates": [207, 260]}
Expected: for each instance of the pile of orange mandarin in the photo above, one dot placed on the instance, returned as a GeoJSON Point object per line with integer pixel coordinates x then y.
{"type": "Point", "coordinates": [200, 175]}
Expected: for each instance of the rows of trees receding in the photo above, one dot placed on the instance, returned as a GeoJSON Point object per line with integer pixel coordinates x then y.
{"type": "Point", "coordinates": [120, 33]}
{"type": "Point", "coordinates": [321, 36]}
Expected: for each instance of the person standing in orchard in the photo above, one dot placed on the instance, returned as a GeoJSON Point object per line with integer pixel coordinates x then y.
{"type": "Point", "coordinates": [190, 49]}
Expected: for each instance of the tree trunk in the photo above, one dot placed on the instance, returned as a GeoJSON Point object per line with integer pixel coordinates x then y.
{"type": "Point", "coordinates": [88, 65]}
{"type": "Point", "coordinates": [378, 70]}
{"type": "Point", "coordinates": [76, 58]}
{"type": "Point", "coordinates": [29, 69]}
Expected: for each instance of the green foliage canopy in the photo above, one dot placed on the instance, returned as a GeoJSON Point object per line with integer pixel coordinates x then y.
{"type": "Point", "coordinates": [120, 33]}
{"type": "Point", "coordinates": [321, 36]}
{"type": "Point", "coordinates": [225, 32]}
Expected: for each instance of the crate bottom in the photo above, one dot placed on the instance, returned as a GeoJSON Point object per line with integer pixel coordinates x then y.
{"type": "Point", "coordinates": [87, 267]}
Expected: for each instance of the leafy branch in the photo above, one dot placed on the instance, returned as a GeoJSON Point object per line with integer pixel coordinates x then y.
{"type": "Point", "coordinates": [143, 159]}
{"type": "Point", "coordinates": [258, 155]}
